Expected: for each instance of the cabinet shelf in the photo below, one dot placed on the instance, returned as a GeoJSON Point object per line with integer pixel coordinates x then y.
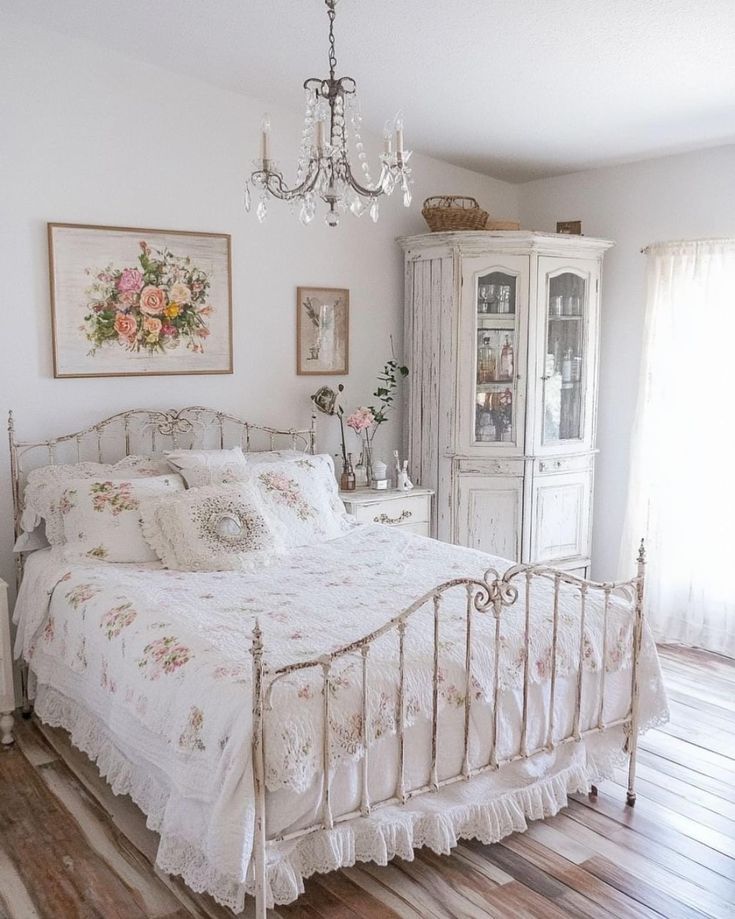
{"type": "Point", "coordinates": [495, 384]}
{"type": "Point", "coordinates": [565, 318]}
{"type": "Point", "coordinates": [496, 321]}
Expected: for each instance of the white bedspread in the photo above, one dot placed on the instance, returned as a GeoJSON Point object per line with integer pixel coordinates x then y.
{"type": "Point", "coordinates": [150, 670]}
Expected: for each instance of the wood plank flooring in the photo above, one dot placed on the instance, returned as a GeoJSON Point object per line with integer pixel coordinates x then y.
{"type": "Point", "coordinates": [69, 848]}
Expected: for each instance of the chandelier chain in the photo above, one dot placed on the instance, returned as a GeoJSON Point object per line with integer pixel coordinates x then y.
{"type": "Point", "coordinates": [332, 51]}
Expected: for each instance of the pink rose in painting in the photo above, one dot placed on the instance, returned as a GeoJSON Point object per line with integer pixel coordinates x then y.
{"type": "Point", "coordinates": [168, 329]}
{"type": "Point", "coordinates": [126, 327]}
{"type": "Point", "coordinates": [361, 419]}
{"type": "Point", "coordinates": [151, 324]}
{"type": "Point", "coordinates": [130, 281]}
{"type": "Point", "coordinates": [152, 300]}
{"type": "Point", "coordinates": [127, 299]}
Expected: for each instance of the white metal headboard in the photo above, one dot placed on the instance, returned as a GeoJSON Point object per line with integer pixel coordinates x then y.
{"type": "Point", "coordinates": [147, 431]}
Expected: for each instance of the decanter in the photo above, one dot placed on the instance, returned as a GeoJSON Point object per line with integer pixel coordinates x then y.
{"type": "Point", "coordinates": [506, 361]}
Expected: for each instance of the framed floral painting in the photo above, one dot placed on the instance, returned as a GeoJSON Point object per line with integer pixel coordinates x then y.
{"type": "Point", "coordinates": [132, 302]}
{"type": "Point", "coordinates": [322, 330]}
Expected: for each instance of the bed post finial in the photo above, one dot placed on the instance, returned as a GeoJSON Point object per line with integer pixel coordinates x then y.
{"type": "Point", "coordinates": [312, 429]}
{"type": "Point", "coordinates": [642, 553]}
{"type": "Point", "coordinates": [11, 422]}
{"type": "Point", "coordinates": [257, 637]}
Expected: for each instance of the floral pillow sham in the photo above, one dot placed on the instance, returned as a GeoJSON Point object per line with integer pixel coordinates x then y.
{"type": "Point", "coordinates": [41, 522]}
{"type": "Point", "coordinates": [301, 494]}
{"type": "Point", "coordinates": [209, 467]}
{"type": "Point", "coordinates": [212, 528]}
{"type": "Point", "coordinates": [101, 518]}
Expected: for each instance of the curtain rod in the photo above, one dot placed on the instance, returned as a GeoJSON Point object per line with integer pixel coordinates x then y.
{"type": "Point", "coordinates": [688, 242]}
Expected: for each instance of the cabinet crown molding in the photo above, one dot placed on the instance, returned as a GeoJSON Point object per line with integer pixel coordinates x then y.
{"type": "Point", "coordinates": [520, 241]}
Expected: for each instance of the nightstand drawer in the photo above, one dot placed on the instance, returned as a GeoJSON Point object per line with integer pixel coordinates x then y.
{"type": "Point", "coordinates": [393, 508]}
{"type": "Point", "coordinates": [395, 511]}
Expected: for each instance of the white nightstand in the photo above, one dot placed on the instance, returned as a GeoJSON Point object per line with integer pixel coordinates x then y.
{"type": "Point", "coordinates": [410, 510]}
{"type": "Point", "coordinates": [7, 692]}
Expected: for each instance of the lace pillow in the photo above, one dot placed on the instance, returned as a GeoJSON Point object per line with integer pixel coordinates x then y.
{"type": "Point", "coordinates": [209, 467]}
{"type": "Point", "coordinates": [302, 495]}
{"type": "Point", "coordinates": [40, 521]}
{"type": "Point", "coordinates": [101, 517]}
{"type": "Point", "coordinates": [213, 528]}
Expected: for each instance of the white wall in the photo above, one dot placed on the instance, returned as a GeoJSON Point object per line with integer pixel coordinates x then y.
{"type": "Point", "coordinates": [89, 136]}
{"type": "Point", "coordinates": [678, 197]}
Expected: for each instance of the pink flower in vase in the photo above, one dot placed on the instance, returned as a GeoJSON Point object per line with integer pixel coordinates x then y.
{"type": "Point", "coordinates": [360, 420]}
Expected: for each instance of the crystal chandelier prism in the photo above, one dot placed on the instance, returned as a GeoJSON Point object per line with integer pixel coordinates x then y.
{"type": "Point", "coordinates": [331, 122]}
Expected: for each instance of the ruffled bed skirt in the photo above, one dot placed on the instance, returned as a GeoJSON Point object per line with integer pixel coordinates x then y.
{"type": "Point", "coordinates": [484, 809]}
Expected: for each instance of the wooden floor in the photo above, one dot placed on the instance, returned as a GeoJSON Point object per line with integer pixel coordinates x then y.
{"type": "Point", "coordinates": [69, 848]}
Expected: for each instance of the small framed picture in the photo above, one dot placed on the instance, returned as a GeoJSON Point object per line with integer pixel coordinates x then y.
{"type": "Point", "coordinates": [127, 301]}
{"type": "Point", "coordinates": [322, 330]}
{"type": "Point", "coordinates": [569, 227]}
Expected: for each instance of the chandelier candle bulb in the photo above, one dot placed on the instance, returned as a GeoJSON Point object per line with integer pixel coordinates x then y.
{"type": "Point", "coordinates": [265, 129]}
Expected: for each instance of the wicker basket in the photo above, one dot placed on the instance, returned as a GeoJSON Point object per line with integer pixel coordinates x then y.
{"type": "Point", "coordinates": [453, 212]}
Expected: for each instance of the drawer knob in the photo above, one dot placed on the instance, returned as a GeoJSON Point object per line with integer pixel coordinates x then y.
{"type": "Point", "coordinates": [384, 518]}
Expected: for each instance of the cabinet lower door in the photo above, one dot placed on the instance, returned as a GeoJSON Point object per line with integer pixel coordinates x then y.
{"type": "Point", "coordinates": [490, 514]}
{"type": "Point", "coordinates": [561, 507]}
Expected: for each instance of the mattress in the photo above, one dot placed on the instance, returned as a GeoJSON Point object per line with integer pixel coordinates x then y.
{"type": "Point", "coordinates": [150, 671]}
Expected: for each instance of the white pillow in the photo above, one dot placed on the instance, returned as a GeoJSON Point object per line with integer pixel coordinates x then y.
{"type": "Point", "coordinates": [212, 528]}
{"type": "Point", "coordinates": [261, 457]}
{"type": "Point", "coordinates": [101, 517]}
{"type": "Point", "coordinates": [302, 495]}
{"type": "Point", "coordinates": [209, 467]}
{"type": "Point", "coordinates": [40, 522]}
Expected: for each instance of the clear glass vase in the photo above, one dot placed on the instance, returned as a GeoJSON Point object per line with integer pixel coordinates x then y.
{"type": "Point", "coordinates": [367, 459]}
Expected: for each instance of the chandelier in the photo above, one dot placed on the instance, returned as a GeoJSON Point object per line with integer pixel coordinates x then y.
{"type": "Point", "coordinates": [324, 172]}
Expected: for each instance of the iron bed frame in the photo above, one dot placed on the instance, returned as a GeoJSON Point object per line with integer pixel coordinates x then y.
{"type": "Point", "coordinates": [196, 427]}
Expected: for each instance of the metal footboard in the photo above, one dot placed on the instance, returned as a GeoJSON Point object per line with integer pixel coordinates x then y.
{"type": "Point", "coordinates": [490, 595]}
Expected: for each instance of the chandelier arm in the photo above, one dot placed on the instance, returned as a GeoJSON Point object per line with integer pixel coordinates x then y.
{"type": "Point", "coordinates": [360, 189]}
{"type": "Point", "coordinates": [277, 187]}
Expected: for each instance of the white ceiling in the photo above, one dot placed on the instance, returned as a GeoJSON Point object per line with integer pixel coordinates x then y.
{"type": "Point", "coordinates": [516, 89]}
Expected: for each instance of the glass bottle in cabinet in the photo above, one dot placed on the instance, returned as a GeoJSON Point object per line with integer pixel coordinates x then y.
{"type": "Point", "coordinates": [566, 323]}
{"type": "Point", "coordinates": [496, 312]}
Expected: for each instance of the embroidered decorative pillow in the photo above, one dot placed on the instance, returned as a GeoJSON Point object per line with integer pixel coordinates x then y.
{"type": "Point", "coordinates": [302, 495]}
{"type": "Point", "coordinates": [209, 467]}
{"type": "Point", "coordinates": [101, 517]}
{"type": "Point", "coordinates": [212, 528]}
{"type": "Point", "coordinates": [41, 523]}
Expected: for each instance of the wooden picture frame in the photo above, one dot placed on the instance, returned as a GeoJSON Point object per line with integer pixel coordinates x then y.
{"type": "Point", "coordinates": [132, 301]}
{"type": "Point", "coordinates": [322, 331]}
{"type": "Point", "coordinates": [569, 227]}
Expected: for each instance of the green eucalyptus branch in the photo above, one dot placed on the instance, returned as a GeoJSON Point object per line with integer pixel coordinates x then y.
{"type": "Point", "coordinates": [385, 392]}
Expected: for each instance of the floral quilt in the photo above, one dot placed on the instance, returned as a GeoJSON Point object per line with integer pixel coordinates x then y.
{"type": "Point", "coordinates": [172, 648]}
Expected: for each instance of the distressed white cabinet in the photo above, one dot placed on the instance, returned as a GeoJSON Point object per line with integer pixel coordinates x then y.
{"type": "Point", "coordinates": [501, 338]}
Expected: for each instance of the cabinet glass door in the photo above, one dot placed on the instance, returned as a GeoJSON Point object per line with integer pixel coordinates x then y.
{"type": "Point", "coordinates": [496, 310]}
{"type": "Point", "coordinates": [566, 358]}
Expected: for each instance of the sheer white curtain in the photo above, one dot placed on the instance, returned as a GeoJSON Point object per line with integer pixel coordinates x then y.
{"type": "Point", "coordinates": [682, 494]}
